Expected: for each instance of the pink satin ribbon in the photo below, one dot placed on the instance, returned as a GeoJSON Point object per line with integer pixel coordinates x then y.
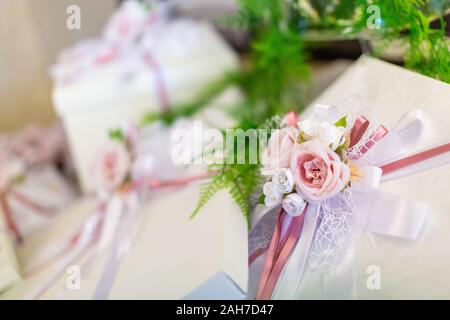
{"type": "Point", "coordinates": [415, 158]}
{"type": "Point", "coordinates": [357, 132]}
{"type": "Point", "coordinates": [279, 251]}
{"type": "Point", "coordinates": [359, 128]}
{"type": "Point", "coordinates": [155, 183]}
{"type": "Point", "coordinates": [25, 201]}
{"type": "Point", "coordinates": [159, 81]}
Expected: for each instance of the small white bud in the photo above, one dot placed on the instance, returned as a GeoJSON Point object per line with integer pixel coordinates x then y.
{"type": "Point", "coordinates": [293, 204]}
{"type": "Point", "coordinates": [283, 180]}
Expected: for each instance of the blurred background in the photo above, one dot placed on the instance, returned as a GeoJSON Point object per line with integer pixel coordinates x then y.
{"type": "Point", "coordinates": [31, 35]}
{"type": "Point", "coordinates": [33, 32]}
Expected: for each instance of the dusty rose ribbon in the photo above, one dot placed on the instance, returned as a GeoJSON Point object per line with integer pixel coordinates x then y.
{"type": "Point", "coordinates": [415, 158]}
{"type": "Point", "coordinates": [358, 130]}
{"type": "Point", "coordinates": [9, 217]}
{"type": "Point", "coordinates": [279, 251]}
{"type": "Point", "coordinates": [159, 81]}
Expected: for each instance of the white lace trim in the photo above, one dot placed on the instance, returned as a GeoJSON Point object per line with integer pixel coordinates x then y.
{"type": "Point", "coordinates": [334, 234]}
{"type": "Point", "coordinates": [261, 235]}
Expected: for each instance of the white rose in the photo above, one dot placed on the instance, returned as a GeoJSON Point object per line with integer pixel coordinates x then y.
{"type": "Point", "coordinates": [293, 204]}
{"type": "Point", "coordinates": [309, 127]}
{"type": "Point", "coordinates": [329, 134]}
{"type": "Point", "coordinates": [283, 181]}
{"type": "Point", "coordinates": [322, 131]}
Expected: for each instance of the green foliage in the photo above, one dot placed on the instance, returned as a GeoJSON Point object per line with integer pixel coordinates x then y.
{"type": "Point", "coordinates": [272, 82]}
{"type": "Point", "coordinates": [428, 49]}
{"type": "Point", "coordinates": [274, 74]}
{"type": "Point", "coordinates": [199, 103]}
{"type": "Point", "coordinates": [342, 122]}
{"type": "Point", "coordinates": [242, 180]}
{"type": "Point", "coordinates": [116, 134]}
{"type": "Point", "coordinates": [400, 20]}
{"type": "Point", "coordinates": [208, 190]}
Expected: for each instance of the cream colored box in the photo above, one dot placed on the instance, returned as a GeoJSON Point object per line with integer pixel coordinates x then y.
{"type": "Point", "coordinates": [409, 270]}
{"type": "Point", "coordinates": [172, 257]}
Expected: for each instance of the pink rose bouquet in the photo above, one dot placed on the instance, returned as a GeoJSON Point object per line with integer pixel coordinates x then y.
{"type": "Point", "coordinates": [305, 161]}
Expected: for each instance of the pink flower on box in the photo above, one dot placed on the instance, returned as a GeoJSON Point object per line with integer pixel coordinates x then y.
{"type": "Point", "coordinates": [301, 162]}
{"type": "Point", "coordinates": [278, 152]}
{"type": "Point", "coordinates": [318, 171]}
{"type": "Point", "coordinates": [111, 166]}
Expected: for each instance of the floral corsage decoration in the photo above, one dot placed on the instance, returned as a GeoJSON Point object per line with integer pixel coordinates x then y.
{"type": "Point", "coordinates": [306, 161]}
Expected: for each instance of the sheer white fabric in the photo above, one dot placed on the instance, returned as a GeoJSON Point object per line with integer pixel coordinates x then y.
{"type": "Point", "coordinates": [335, 232]}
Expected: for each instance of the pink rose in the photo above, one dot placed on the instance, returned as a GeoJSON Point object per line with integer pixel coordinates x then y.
{"type": "Point", "coordinates": [278, 152]}
{"type": "Point", "coordinates": [318, 171]}
{"type": "Point", "coordinates": [111, 166]}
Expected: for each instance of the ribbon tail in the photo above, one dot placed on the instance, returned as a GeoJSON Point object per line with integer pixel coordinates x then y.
{"type": "Point", "coordinates": [81, 248]}
{"type": "Point", "coordinates": [417, 162]}
{"type": "Point", "coordinates": [105, 284]}
{"type": "Point", "coordinates": [120, 246]}
{"type": "Point", "coordinates": [290, 279]}
{"type": "Point", "coordinates": [286, 235]}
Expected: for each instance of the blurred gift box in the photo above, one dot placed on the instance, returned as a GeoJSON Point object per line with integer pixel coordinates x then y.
{"type": "Point", "coordinates": [171, 256]}
{"type": "Point", "coordinates": [146, 61]}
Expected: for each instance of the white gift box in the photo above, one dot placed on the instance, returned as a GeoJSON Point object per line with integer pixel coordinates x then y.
{"type": "Point", "coordinates": [171, 257]}
{"type": "Point", "coordinates": [389, 268]}
{"type": "Point", "coordinates": [44, 187]}
{"type": "Point", "coordinates": [9, 268]}
{"type": "Point", "coordinates": [187, 56]}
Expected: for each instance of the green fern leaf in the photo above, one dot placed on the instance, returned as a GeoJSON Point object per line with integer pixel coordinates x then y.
{"type": "Point", "coordinates": [207, 191]}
